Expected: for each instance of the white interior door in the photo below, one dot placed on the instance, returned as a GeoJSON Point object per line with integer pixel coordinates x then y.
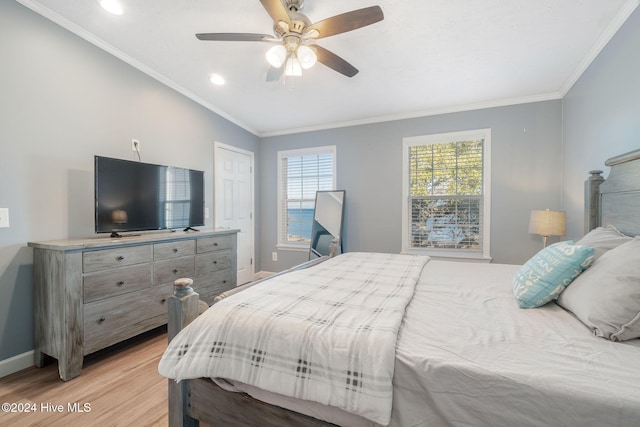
{"type": "Point", "coordinates": [234, 201]}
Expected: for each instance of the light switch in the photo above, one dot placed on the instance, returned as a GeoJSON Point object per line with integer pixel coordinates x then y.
{"type": "Point", "coordinates": [4, 217]}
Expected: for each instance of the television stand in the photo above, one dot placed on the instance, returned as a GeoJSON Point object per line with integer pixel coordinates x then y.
{"type": "Point", "coordinates": [190, 229]}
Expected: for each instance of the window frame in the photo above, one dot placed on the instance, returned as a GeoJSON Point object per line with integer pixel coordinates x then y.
{"type": "Point", "coordinates": [327, 149]}
{"type": "Point", "coordinates": [483, 254]}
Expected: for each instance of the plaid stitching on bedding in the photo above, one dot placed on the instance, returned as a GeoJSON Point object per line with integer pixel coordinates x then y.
{"type": "Point", "coordinates": [325, 334]}
{"type": "Point", "coordinates": [217, 348]}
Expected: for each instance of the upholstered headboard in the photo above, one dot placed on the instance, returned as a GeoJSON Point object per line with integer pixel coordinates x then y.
{"type": "Point", "coordinates": [616, 200]}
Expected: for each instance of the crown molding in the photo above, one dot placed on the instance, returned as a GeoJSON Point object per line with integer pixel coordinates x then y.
{"type": "Point", "coordinates": [425, 113]}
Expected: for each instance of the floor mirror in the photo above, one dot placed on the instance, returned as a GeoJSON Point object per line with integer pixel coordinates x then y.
{"type": "Point", "coordinates": [326, 231]}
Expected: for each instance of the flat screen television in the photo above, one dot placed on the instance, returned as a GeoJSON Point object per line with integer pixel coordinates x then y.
{"type": "Point", "coordinates": [136, 196]}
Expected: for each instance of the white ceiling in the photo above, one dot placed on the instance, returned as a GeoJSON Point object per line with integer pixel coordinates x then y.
{"type": "Point", "coordinates": [426, 57]}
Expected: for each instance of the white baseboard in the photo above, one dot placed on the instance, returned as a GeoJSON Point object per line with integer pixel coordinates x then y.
{"type": "Point", "coordinates": [16, 363]}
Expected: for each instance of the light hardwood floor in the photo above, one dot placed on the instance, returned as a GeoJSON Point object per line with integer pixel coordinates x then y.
{"type": "Point", "coordinates": [121, 385]}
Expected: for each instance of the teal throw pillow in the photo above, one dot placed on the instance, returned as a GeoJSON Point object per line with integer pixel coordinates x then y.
{"type": "Point", "coordinates": [549, 272]}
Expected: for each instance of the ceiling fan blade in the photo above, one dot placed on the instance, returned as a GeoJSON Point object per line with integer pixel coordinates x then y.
{"type": "Point", "coordinates": [274, 74]}
{"type": "Point", "coordinates": [236, 37]}
{"type": "Point", "coordinates": [334, 62]}
{"type": "Point", "coordinates": [346, 22]}
{"type": "Point", "coordinates": [277, 11]}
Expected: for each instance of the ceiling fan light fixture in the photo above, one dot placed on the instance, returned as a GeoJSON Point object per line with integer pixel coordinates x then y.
{"type": "Point", "coordinates": [293, 67]}
{"type": "Point", "coordinates": [295, 34]}
{"type": "Point", "coordinates": [306, 56]}
{"type": "Point", "coordinates": [277, 55]}
{"type": "Point", "coordinates": [112, 6]}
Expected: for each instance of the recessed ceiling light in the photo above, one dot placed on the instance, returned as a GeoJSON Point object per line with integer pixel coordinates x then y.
{"type": "Point", "coordinates": [112, 6]}
{"type": "Point", "coordinates": [216, 79]}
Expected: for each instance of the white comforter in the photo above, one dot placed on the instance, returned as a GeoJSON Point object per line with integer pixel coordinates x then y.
{"type": "Point", "coordinates": [327, 334]}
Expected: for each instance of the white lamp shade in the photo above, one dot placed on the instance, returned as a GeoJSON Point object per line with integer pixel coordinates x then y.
{"type": "Point", "coordinates": [277, 55]}
{"type": "Point", "coordinates": [293, 67]}
{"type": "Point", "coordinates": [548, 223]}
{"type": "Point", "coordinates": [306, 56]}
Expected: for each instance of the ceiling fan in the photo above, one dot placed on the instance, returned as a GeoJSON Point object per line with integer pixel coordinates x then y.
{"type": "Point", "coordinates": [294, 37]}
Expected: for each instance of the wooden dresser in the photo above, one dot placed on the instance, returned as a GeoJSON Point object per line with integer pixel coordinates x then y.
{"type": "Point", "coordinates": [92, 293]}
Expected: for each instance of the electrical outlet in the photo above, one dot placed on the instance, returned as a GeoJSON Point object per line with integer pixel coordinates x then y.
{"type": "Point", "coordinates": [274, 256]}
{"type": "Point", "coordinates": [206, 213]}
{"type": "Point", "coordinates": [135, 145]}
{"type": "Point", "coordinates": [4, 217]}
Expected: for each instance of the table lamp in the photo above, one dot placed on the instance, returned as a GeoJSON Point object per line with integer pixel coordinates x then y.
{"type": "Point", "coordinates": [547, 223]}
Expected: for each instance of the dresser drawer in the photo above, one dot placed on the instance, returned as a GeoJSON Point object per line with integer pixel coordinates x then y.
{"type": "Point", "coordinates": [175, 249]}
{"type": "Point", "coordinates": [167, 271]}
{"type": "Point", "coordinates": [211, 262]}
{"type": "Point", "coordinates": [215, 243]}
{"type": "Point", "coordinates": [118, 281]}
{"type": "Point", "coordinates": [112, 320]}
{"type": "Point", "coordinates": [213, 284]}
{"type": "Point", "coordinates": [114, 258]}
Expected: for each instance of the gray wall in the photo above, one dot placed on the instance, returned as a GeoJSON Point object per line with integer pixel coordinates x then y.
{"type": "Point", "coordinates": [525, 175]}
{"type": "Point", "coordinates": [601, 116]}
{"type": "Point", "coordinates": [62, 101]}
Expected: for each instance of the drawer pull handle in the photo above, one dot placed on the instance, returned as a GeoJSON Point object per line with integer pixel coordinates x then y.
{"type": "Point", "coordinates": [215, 243]}
{"type": "Point", "coordinates": [121, 283]}
{"type": "Point", "coordinates": [175, 250]}
{"type": "Point", "coordinates": [175, 271]}
{"type": "Point", "coordinates": [119, 258]}
{"type": "Point", "coordinates": [101, 320]}
{"type": "Point", "coordinates": [163, 300]}
{"type": "Point", "coordinates": [224, 281]}
{"type": "Point", "coordinates": [215, 262]}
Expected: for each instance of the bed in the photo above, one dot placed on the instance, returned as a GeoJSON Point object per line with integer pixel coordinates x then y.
{"type": "Point", "coordinates": [438, 343]}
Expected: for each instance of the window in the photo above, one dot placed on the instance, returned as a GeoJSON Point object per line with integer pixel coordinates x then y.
{"type": "Point", "coordinates": [300, 174]}
{"type": "Point", "coordinates": [446, 192]}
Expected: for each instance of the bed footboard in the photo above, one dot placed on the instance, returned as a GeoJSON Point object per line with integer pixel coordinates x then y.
{"type": "Point", "coordinates": [215, 406]}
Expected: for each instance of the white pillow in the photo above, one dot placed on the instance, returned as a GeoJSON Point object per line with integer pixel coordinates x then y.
{"type": "Point", "coordinates": [606, 297]}
{"type": "Point", "coordinates": [603, 239]}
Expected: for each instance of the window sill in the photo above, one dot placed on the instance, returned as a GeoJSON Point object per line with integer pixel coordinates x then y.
{"type": "Point", "coordinates": [293, 247]}
{"type": "Point", "coordinates": [451, 256]}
